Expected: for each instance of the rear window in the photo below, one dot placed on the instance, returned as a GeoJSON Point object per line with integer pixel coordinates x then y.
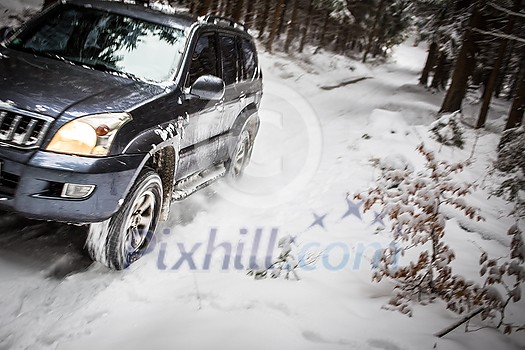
{"type": "Point", "coordinates": [249, 59]}
{"type": "Point", "coordinates": [229, 60]}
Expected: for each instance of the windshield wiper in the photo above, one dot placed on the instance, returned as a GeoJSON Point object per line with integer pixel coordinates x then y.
{"type": "Point", "coordinates": [107, 68]}
{"type": "Point", "coordinates": [38, 52]}
{"type": "Point", "coordinates": [95, 65]}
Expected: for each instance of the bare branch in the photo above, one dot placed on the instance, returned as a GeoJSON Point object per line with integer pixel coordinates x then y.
{"type": "Point", "coordinates": [500, 35]}
{"type": "Point", "coordinates": [507, 11]}
{"type": "Point", "coordinates": [453, 326]}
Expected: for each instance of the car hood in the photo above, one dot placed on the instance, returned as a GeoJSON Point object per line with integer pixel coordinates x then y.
{"type": "Point", "coordinates": [55, 88]}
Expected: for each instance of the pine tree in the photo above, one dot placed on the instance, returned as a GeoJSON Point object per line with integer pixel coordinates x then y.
{"type": "Point", "coordinates": [237, 7]}
{"type": "Point", "coordinates": [275, 19]}
{"type": "Point", "coordinates": [262, 17]}
{"type": "Point", "coordinates": [203, 7]}
{"type": "Point", "coordinates": [464, 65]}
{"type": "Point", "coordinates": [518, 105]}
{"type": "Point", "coordinates": [292, 27]}
{"type": "Point", "coordinates": [510, 165]}
{"type": "Point", "coordinates": [306, 27]}
{"type": "Point", "coordinates": [248, 16]}
{"type": "Point", "coordinates": [429, 63]}
{"type": "Point", "coordinates": [492, 81]}
{"type": "Point", "coordinates": [373, 32]}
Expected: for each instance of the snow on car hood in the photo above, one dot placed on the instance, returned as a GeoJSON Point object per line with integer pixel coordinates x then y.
{"type": "Point", "coordinates": [54, 87]}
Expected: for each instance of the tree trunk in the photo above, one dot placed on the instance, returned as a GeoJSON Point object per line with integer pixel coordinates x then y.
{"type": "Point", "coordinates": [379, 39]}
{"type": "Point", "coordinates": [373, 30]}
{"type": "Point", "coordinates": [504, 70]}
{"type": "Point", "coordinates": [446, 73]}
{"type": "Point", "coordinates": [342, 40]}
{"type": "Point", "coordinates": [306, 26]}
{"type": "Point", "coordinates": [518, 105]}
{"type": "Point", "coordinates": [203, 7]}
{"type": "Point", "coordinates": [248, 16]}
{"type": "Point", "coordinates": [192, 7]}
{"type": "Point", "coordinates": [275, 25]}
{"type": "Point", "coordinates": [262, 19]}
{"type": "Point", "coordinates": [218, 7]}
{"type": "Point", "coordinates": [236, 11]}
{"type": "Point", "coordinates": [491, 83]}
{"type": "Point", "coordinates": [465, 63]}
{"type": "Point", "coordinates": [214, 7]}
{"type": "Point", "coordinates": [292, 28]}
{"type": "Point", "coordinates": [515, 79]}
{"type": "Point", "coordinates": [282, 18]}
{"type": "Point", "coordinates": [439, 73]}
{"type": "Point", "coordinates": [228, 8]}
{"type": "Point", "coordinates": [429, 64]}
{"type": "Point", "coordinates": [324, 29]}
{"type": "Point", "coordinates": [433, 51]}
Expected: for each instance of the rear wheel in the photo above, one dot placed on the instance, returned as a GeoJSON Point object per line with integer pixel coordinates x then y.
{"type": "Point", "coordinates": [123, 238]}
{"type": "Point", "coordinates": [240, 156]}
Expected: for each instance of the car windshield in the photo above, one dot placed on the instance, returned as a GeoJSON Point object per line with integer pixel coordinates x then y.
{"type": "Point", "coordinates": [105, 41]}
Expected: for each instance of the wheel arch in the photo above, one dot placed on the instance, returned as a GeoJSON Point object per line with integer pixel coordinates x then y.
{"type": "Point", "coordinates": [164, 163]}
{"type": "Point", "coordinates": [249, 120]}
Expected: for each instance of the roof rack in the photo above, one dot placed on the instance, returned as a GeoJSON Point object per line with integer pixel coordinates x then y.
{"type": "Point", "coordinates": [218, 20]}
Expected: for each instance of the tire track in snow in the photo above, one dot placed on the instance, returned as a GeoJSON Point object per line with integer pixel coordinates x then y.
{"type": "Point", "coordinates": [41, 287]}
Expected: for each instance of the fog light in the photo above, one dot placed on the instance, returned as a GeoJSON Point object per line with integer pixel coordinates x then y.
{"type": "Point", "coordinates": [77, 191]}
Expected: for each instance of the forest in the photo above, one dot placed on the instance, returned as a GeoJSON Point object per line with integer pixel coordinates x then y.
{"type": "Point", "coordinates": [473, 44]}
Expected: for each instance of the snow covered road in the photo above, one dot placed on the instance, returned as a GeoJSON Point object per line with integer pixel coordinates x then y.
{"type": "Point", "coordinates": [191, 291]}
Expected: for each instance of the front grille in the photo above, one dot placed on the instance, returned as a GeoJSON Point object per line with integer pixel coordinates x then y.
{"type": "Point", "coordinates": [21, 130]}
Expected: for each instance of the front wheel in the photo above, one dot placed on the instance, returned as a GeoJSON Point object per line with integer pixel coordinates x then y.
{"type": "Point", "coordinates": [123, 238]}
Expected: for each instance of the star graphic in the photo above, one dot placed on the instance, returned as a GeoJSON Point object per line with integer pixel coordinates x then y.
{"type": "Point", "coordinates": [353, 209]}
{"type": "Point", "coordinates": [378, 219]}
{"type": "Point", "coordinates": [318, 220]}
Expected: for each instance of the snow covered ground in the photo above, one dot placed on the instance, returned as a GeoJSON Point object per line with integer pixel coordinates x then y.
{"type": "Point", "coordinates": [325, 122]}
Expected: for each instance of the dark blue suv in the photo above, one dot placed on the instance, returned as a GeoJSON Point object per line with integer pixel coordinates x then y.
{"type": "Point", "coordinates": [110, 111]}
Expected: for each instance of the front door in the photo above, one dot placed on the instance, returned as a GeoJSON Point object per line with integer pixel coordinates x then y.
{"type": "Point", "coordinates": [202, 123]}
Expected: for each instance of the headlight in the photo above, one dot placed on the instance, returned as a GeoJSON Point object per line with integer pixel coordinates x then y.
{"type": "Point", "coordinates": [88, 136]}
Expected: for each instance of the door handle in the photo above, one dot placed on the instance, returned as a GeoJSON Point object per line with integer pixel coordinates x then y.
{"type": "Point", "coordinates": [181, 123]}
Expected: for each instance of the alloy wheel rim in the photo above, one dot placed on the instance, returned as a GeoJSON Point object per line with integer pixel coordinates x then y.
{"type": "Point", "coordinates": [239, 158]}
{"type": "Point", "coordinates": [139, 222]}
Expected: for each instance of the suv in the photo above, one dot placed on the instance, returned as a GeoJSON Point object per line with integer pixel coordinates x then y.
{"type": "Point", "coordinates": [110, 111]}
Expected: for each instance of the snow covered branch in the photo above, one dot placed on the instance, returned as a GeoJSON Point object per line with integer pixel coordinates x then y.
{"type": "Point", "coordinates": [286, 263]}
{"type": "Point", "coordinates": [455, 325]}
{"type": "Point", "coordinates": [413, 203]}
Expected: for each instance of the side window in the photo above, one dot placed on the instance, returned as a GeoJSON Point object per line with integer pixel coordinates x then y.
{"type": "Point", "coordinates": [204, 58]}
{"type": "Point", "coordinates": [249, 59]}
{"type": "Point", "coordinates": [229, 59]}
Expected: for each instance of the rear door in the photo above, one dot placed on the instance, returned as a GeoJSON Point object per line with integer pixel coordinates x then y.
{"type": "Point", "coordinates": [230, 61]}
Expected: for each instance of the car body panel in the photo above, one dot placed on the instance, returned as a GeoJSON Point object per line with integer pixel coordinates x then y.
{"type": "Point", "coordinates": [163, 116]}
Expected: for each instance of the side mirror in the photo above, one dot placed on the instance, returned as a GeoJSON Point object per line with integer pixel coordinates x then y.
{"type": "Point", "coordinates": [6, 32]}
{"type": "Point", "coordinates": [208, 87]}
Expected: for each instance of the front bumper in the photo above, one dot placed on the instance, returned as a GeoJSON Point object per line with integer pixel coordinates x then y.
{"type": "Point", "coordinates": [31, 184]}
